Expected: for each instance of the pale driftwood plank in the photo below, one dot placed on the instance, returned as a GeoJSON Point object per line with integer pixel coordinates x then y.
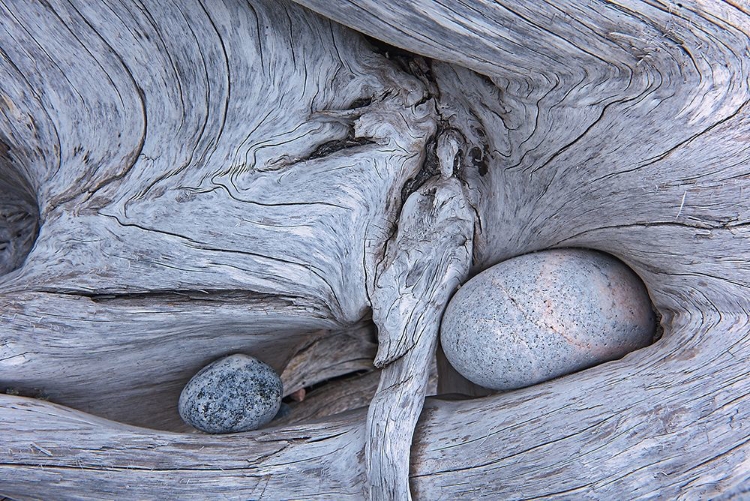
{"type": "Point", "coordinates": [60, 453]}
{"type": "Point", "coordinates": [63, 346]}
{"type": "Point", "coordinates": [659, 444]}
{"type": "Point", "coordinates": [259, 155]}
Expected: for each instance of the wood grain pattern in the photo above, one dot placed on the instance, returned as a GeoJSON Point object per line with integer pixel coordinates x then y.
{"type": "Point", "coordinates": [242, 195]}
{"type": "Point", "coordinates": [426, 260]}
{"type": "Point", "coordinates": [229, 177]}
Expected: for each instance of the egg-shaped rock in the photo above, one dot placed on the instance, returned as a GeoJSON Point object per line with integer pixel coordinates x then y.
{"type": "Point", "coordinates": [539, 316]}
{"type": "Point", "coordinates": [233, 394]}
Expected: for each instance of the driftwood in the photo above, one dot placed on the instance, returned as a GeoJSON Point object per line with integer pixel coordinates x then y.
{"type": "Point", "coordinates": [195, 180]}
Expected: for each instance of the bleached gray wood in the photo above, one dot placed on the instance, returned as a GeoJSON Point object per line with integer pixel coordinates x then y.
{"type": "Point", "coordinates": [427, 259]}
{"type": "Point", "coordinates": [662, 423]}
{"type": "Point", "coordinates": [182, 217]}
{"type": "Point", "coordinates": [145, 131]}
{"type": "Point", "coordinates": [330, 356]}
{"type": "Point", "coordinates": [576, 137]}
{"type": "Point", "coordinates": [619, 447]}
{"type": "Point", "coordinates": [56, 452]}
{"type": "Point", "coordinates": [342, 395]}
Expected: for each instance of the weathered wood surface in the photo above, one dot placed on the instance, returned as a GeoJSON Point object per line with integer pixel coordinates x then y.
{"type": "Point", "coordinates": [225, 177]}
{"type": "Point", "coordinates": [648, 426]}
{"type": "Point", "coordinates": [229, 211]}
{"type": "Point", "coordinates": [330, 356]}
{"type": "Point", "coordinates": [426, 260]}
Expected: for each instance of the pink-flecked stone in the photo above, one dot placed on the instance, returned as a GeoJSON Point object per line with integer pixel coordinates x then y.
{"type": "Point", "coordinates": [539, 316]}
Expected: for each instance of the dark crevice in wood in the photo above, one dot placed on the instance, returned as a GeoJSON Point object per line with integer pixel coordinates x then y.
{"type": "Point", "coordinates": [411, 64]}
{"type": "Point", "coordinates": [36, 393]}
{"type": "Point", "coordinates": [331, 147]}
{"type": "Point", "coordinates": [326, 362]}
{"type": "Point", "coordinates": [336, 395]}
{"type": "Point", "coordinates": [362, 102]}
{"type": "Point", "coordinates": [337, 145]}
{"type": "Point", "coordinates": [330, 381]}
{"type": "Point", "coordinates": [430, 169]}
{"type": "Point", "coordinates": [402, 58]}
{"type": "Point", "coordinates": [223, 296]}
{"type": "Point", "coordinates": [19, 213]}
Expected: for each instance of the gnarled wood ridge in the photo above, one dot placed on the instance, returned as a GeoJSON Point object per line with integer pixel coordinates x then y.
{"type": "Point", "coordinates": [221, 177]}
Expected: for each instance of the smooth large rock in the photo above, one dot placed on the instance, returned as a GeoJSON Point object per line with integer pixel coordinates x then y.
{"type": "Point", "coordinates": [543, 315]}
{"type": "Point", "coordinates": [233, 394]}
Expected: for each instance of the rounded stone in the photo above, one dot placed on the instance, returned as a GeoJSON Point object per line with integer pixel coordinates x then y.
{"type": "Point", "coordinates": [233, 394]}
{"type": "Point", "coordinates": [539, 316]}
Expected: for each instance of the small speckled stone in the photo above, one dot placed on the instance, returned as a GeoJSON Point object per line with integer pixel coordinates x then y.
{"type": "Point", "coordinates": [233, 394]}
{"type": "Point", "coordinates": [543, 315]}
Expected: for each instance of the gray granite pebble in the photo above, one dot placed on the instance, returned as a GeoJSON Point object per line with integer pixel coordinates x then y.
{"type": "Point", "coordinates": [543, 315]}
{"type": "Point", "coordinates": [233, 394]}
